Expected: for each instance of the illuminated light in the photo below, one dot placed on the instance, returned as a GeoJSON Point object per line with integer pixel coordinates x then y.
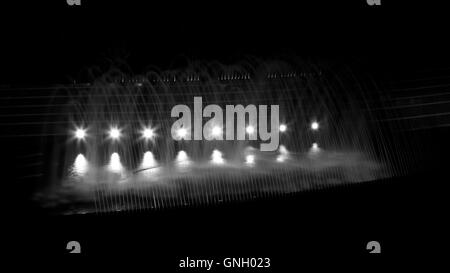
{"type": "Point", "coordinates": [250, 130]}
{"type": "Point", "coordinates": [81, 165]}
{"type": "Point", "coordinates": [284, 154]}
{"type": "Point", "coordinates": [182, 133]}
{"type": "Point", "coordinates": [182, 158]}
{"type": "Point", "coordinates": [148, 133]}
{"type": "Point", "coordinates": [283, 150]}
{"type": "Point", "coordinates": [149, 166]}
{"type": "Point", "coordinates": [80, 133]}
{"type": "Point", "coordinates": [281, 158]}
{"type": "Point", "coordinates": [315, 148]}
{"type": "Point", "coordinates": [216, 157]}
{"type": "Point", "coordinates": [314, 125]}
{"type": "Point", "coordinates": [283, 128]}
{"type": "Point", "coordinates": [114, 163]}
{"type": "Point", "coordinates": [114, 133]}
{"type": "Point", "coordinates": [250, 159]}
{"type": "Point", "coordinates": [149, 160]}
{"type": "Point", "coordinates": [216, 131]}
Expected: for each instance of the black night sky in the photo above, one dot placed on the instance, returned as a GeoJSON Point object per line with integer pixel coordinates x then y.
{"type": "Point", "coordinates": [49, 42]}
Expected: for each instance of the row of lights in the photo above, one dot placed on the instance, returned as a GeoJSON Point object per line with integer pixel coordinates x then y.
{"type": "Point", "coordinates": [182, 159]}
{"type": "Point", "coordinates": [115, 133]}
{"type": "Point", "coordinates": [149, 133]}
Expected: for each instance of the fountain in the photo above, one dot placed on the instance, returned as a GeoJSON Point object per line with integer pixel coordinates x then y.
{"type": "Point", "coordinates": [160, 162]}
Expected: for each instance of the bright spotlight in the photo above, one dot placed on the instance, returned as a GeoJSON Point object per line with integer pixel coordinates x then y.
{"type": "Point", "coordinates": [80, 165]}
{"type": "Point", "coordinates": [182, 158]}
{"type": "Point", "coordinates": [216, 131]}
{"type": "Point", "coordinates": [284, 154]}
{"type": "Point", "coordinates": [250, 129]}
{"type": "Point", "coordinates": [283, 128]}
{"type": "Point", "coordinates": [148, 133]}
{"type": "Point", "coordinates": [80, 133]}
{"type": "Point", "coordinates": [149, 160]}
{"type": "Point", "coordinates": [250, 159]}
{"type": "Point", "coordinates": [114, 163]}
{"type": "Point", "coordinates": [281, 158]}
{"type": "Point", "coordinates": [182, 133]}
{"type": "Point", "coordinates": [216, 157]}
{"type": "Point", "coordinates": [315, 149]}
{"type": "Point", "coordinates": [283, 150]}
{"type": "Point", "coordinates": [114, 133]}
{"type": "Point", "coordinates": [315, 125]}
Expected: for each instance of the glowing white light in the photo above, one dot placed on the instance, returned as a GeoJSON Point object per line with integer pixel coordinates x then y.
{"type": "Point", "coordinates": [283, 150]}
{"type": "Point", "coordinates": [148, 133]}
{"type": "Point", "coordinates": [80, 133]}
{"type": "Point", "coordinates": [281, 158]}
{"type": "Point", "coordinates": [182, 157]}
{"type": "Point", "coordinates": [114, 163]}
{"type": "Point", "coordinates": [182, 132]}
{"type": "Point", "coordinates": [315, 125]}
{"type": "Point", "coordinates": [149, 160]}
{"type": "Point", "coordinates": [216, 131]}
{"type": "Point", "coordinates": [250, 159]}
{"type": "Point", "coordinates": [283, 128]}
{"type": "Point", "coordinates": [315, 149]}
{"type": "Point", "coordinates": [250, 130]}
{"type": "Point", "coordinates": [80, 165]}
{"type": "Point", "coordinates": [216, 157]}
{"type": "Point", "coordinates": [114, 133]}
{"type": "Point", "coordinates": [284, 154]}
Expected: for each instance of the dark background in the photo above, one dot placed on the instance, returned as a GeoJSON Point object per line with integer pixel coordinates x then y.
{"type": "Point", "coordinates": [52, 42]}
{"type": "Point", "coordinates": [49, 42]}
